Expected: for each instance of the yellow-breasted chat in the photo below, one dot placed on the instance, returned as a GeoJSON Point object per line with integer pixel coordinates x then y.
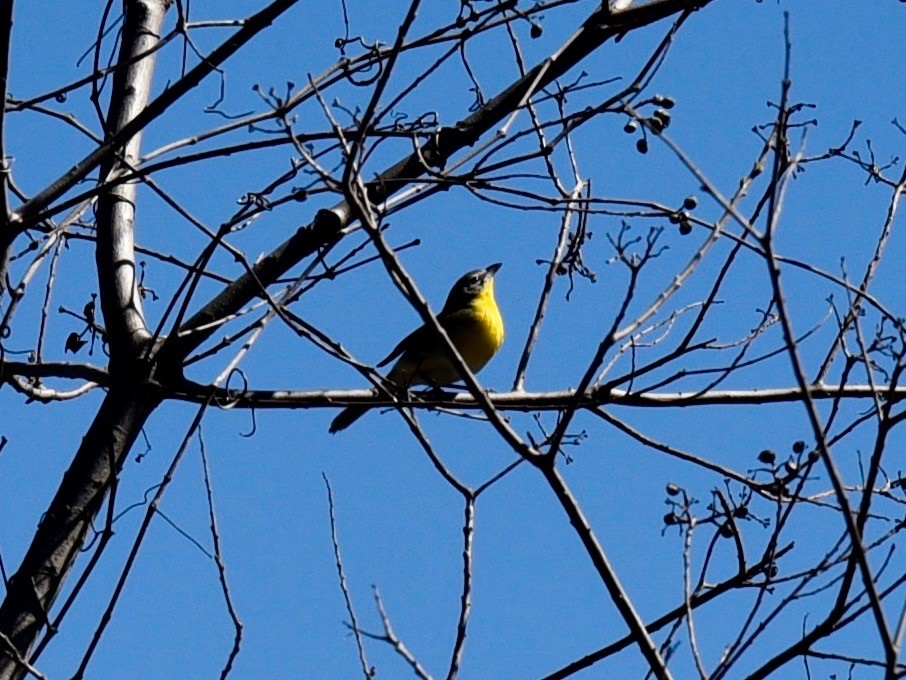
{"type": "Point", "coordinates": [470, 317]}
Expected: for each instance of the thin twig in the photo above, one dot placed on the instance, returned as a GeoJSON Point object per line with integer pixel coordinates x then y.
{"type": "Point", "coordinates": [142, 532]}
{"type": "Point", "coordinates": [218, 560]}
{"type": "Point", "coordinates": [368, 671]}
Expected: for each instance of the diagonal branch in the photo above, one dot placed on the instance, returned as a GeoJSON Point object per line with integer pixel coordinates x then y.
{"type": "Point", "coordinates": [639, 634]}
{"type": "Point", "coordinates": [739, 580]}
{"type": "Point", "coordinates": [328, 225]}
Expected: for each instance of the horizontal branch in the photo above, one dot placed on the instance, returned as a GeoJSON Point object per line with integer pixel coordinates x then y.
{"type": "Point", "coordinates": [57, 369]}
{"type": "Point", "coordinates": [506, 401]}
{"type": "Point", "coordinates": [520, 401]}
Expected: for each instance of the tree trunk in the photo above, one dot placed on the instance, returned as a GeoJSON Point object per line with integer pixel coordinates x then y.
{"type": "Point", "coordinates": [33, 589]}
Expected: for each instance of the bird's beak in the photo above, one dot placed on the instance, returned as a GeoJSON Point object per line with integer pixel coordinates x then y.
{"type": "Point", "coordinates": [493, 268]}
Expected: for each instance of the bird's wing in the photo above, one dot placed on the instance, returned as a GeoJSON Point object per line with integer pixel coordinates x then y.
{"type": "Point", "coordinates": [409, 341]}
{"type": "Point", "coordinates": [420, 337]}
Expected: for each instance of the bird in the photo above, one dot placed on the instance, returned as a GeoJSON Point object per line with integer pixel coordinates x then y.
{"type": "Point", "coordinates": [471, 318]}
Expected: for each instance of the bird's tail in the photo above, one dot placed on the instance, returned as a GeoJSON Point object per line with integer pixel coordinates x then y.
{"type": "Point", "coordinates": [350, 414]}
{"type": "Point", "coordinates": [347, 417]}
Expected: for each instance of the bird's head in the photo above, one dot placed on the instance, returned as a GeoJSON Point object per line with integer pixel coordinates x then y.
{"type": "Point", "coordinates": [471, 286]}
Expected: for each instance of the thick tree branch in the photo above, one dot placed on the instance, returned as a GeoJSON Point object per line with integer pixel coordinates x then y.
{"type": "Point", "coordinates": [6, 233]}
{"type": "Point", "coordinates": [115, 213]}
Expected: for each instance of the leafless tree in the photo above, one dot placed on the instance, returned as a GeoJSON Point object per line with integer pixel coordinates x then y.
{"type": "Point", "coordinates": [350, 153]}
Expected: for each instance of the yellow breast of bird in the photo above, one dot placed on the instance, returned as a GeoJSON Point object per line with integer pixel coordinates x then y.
{"type": "Point", "coordinates": [479, 334]}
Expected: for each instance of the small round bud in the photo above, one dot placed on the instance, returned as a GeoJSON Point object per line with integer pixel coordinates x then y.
{"type": "Point", "coordinates": [690, 202]}
{"type": "Point", "coordinates": [799, 446]}
{"type": "Point", "coordinates": [663, 116]}
{"type": "Point", "coordinates": [685, 228]}
{"type": "Point", "coordinates": [663, 100]}
{"type": "Point", "coordinates": [672, 489]}
{"type": "Point", "coordinates": [674, 218]}
{"type": "Point", "coordinates": [641, 145]}
{"type": "Point", "coordinates": [791, 467]}
{"type": "Point", "coordinates": [742, 512]}
{"type": "Point", "coordinates": [630, 127]}
{"type": "Point", "coordinates": [767, 457]}
{"type": "Point", "coordinates": [726, 530]}
{"type": "Point", "coordinates": [671, 519]}
{"type": "Point", "coordinates": [535, 31]}
{"type": "Point", "coordinates": [656, 124]}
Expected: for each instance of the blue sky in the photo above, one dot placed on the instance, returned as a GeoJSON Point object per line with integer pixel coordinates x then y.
{"type": "Point", "coordinates": [537, 601]}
